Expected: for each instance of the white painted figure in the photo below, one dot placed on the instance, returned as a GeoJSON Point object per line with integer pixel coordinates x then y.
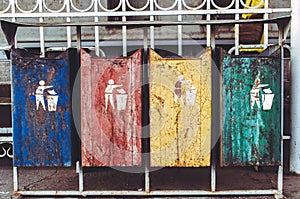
{"type": "Point", "coordinates": [267, 96]}
{"type": "Point", "coordinates": [190, 91]}
{"type": "Point", "coordinates": [109, 93]}
{"type": "Point", "coordinates": [39, 94]}
{"type": "Point", "coordinates": [52, 97]}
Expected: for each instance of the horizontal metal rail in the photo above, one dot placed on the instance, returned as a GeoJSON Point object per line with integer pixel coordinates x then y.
{"type": "Point", "coordinates": [6, 139]}
{"type": "Point", "coordinates": [7, 130]}
{"type": "Point", "coordinates": [152, 193]}
{"type": "Point", "coordinates": [148, 23]}
{"type": "Point", "coordinates": [55, 45]}
{"type": "Point", "coordinates": [5, 83]}
{"type": "Point", "coordinates": [148, 13]}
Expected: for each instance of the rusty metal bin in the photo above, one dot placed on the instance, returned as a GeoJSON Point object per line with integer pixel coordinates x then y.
{"type": "Point", "coordinates": [251, 110]}
{"type": "Point", "coordinates": [111, 110]}
{"type": "Point", "coordinates": [41, 109]}
{"type": "Point", "coordinates": [180, 110]}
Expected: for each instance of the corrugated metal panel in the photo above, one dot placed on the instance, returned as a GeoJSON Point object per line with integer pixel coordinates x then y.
{"type": "Point", "coordinates": [251, 110]}
{"type": "Point", "coordinates": [41, 110]}
{"type": "Point", "coordinates": [111, 110]}
{"type": "Point", "coordinates": [180, 110]}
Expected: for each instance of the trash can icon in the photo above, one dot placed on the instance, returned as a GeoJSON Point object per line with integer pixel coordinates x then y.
{"type": "Point", "coordinates": [267, 101]}
{"type": "Point", "coordinates": [191, 94]}
{"type": "Point", "coordinates": [121, 99]}
{"type": "Point", "coordinates": [52, 100]}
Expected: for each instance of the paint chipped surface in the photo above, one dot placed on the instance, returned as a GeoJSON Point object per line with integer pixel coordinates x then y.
{"type": "Point", "coordinates": [180, 110]}
{"type": "Point", "coordinates": [41, 137]}
{"type": "Point", "coordinates": [111, 110]}
{"type": "Point", "coordinates": [251, 110]}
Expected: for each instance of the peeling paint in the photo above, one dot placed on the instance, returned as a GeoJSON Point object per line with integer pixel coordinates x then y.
{"type": "Point", "coordinates": [39, 137]}
{"type": "Point", "coordinates": [180, 110]}
{"type": "Point", "coordinates": [251, 130]}
{"type": "Point", "coordinates": [111, 110]}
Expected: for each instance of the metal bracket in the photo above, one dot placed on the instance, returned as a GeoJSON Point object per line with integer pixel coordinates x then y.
{"type": "Point", "coordinates": [284, 27]}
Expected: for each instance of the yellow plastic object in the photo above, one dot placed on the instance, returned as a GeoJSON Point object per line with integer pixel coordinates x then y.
{"type": "Point", "coordinates": [180, 110]}
{"type": "Point", "coordinates": [253, 4]}
{"type": "Point", "coordinates": [258, 50]}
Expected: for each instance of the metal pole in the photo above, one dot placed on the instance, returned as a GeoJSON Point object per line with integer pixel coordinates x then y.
{"type": "Point", "coordinates": [79, 170]}
{"type": "Point", "coordinates": [13, 19]}
{"type": "Point", "coordinates": [146, 151]}
{"type": "Point", "coordinates": [78, 165]}
{"type": "Point", "coordinates": [152, 27]}
{"type": "Point", "coordinates": [266, 26]}
{"type": "Point", "coordinates": [69, 31]}
{"type": "Point", "coordinates": [42, 39]}
{"type": "Point", "coordinates": [295, 88]}
{"type": "Point", "coordinates": [237, 30]}
{"type": "Point", "coordinates": [179, 27]}
{"type": "Point", "coordinates": [280, 168]}
{"type": "Point", "coordinates": [15, 179]}
{"type": "Point", "coordinates": [208, 27]}
{"type": "Point", "coordinates": [215, 111]}
{"type": "Point", "coordinates": [124, 30]}
{"type": "Point", "coordinates": [96, 19]}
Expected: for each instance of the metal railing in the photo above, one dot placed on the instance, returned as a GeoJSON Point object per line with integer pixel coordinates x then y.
{"type": "Point", "coordinates": [98, 10]}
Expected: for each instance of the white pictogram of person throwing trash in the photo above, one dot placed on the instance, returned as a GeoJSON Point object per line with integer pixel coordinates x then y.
{"type": "Point", "coordinates": [267, 95]}
{"type": "Point", "coordinates": [121, 95]}
{"type": "Point", "coordinates": [52, 98]}
{"type": "Point", "coordinates": [190, 91]}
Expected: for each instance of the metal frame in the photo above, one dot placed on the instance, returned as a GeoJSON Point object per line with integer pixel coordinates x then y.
{"type": "Point", "coordinates": [295, 152]}
{"type": "Point", "coordinates": [147, 192]}
{"type": "Point", "coordinates": [98, 11]}
{"type": "Point", "coordinates": [5, 133]}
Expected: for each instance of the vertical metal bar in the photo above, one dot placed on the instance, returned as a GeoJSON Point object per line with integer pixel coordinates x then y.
{"type": "Point", "coordinates": [69, 32]}
{"type": "Point", "coordinates": [79, 170]}
{"type": "Point", "coordinates": [78, 38]}
{"type": "Point", "coordinates": [15, 179]}
{"type": "Point", "coordinates": [146, 152]}
{"type": "Point", "coordinates": [13, 9]}
{"type": "Point", "coordinates": [96, 19]}
{"type": "Point", "coordinates": [213, 175]}
{"type": "Point", "coordinates": [295, 89]}
{"type": "Point", "coordinates": [266, 26]}
{"type": "Point", "coordinates": [15, 169]}
{"type": "Point", "coordinates": [208, 27]}
{"type": "Point", "coordinates": [152, 27]}
{"type": "Point", "coordinates": [179, 30]}
{"type": "Point", "coordinates": [215, 111]}
{"type": "Point", "coordinates": [42, 35]}
{"type": "Point", "coordinates": [124, 28]}
{"type": "Point", "coordinates": [237, 29]}
{"type": "Point", "coordinates": [13, 19]}
{"type": "Point", "coordinates": [280, 168]}
{"type": "Point", "coordinates": [78, 166]}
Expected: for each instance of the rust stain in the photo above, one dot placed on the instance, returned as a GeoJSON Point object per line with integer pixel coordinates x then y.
{"type": "Point", "coordinates": [250, 129]}
{"type": "Point", "coordinates": [180, 110]}
{"type": "Point", "coordinates": [111, 110]}
{"type": "Point", "coordinates": [41, 140]}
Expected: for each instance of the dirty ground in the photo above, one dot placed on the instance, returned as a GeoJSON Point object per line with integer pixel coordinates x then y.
{"type": "Point", "coordinates": [164, 179]}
